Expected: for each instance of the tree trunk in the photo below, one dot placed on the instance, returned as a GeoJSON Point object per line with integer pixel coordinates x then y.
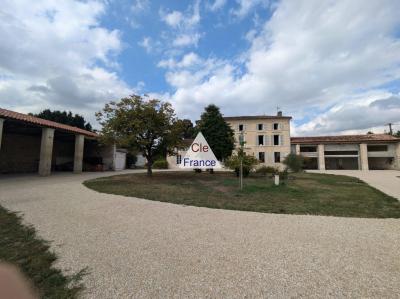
{"type": "Point", "coordinates": [149, 169]}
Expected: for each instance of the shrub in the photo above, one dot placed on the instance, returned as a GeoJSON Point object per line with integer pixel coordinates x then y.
{"type": "Point", "coordinates": [283, 175]}
{"type": "Point", "coordinates": [233, 162]}
{"type": "Point", "coordinates": [264, 170]}
{"type": "Point", "coordinates": [294, 162]}
{"type": "Point", "coordinates": [160, 164]}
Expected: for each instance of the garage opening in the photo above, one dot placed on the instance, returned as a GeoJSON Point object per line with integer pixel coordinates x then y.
{"type": "Point", "coordinates": [341, 163]}
{"type": "Point", "coordinates": [310, 163]}
{"type": "Point", "coordinates": [380, 163]}
{"type": "Point", "coordinates": [20, 148]}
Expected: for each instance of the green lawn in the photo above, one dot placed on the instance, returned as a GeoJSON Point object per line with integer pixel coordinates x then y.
{"type": "Point", "coordinates": [305, 193]}
{"type": "Point", "coordinates": [20, 246]}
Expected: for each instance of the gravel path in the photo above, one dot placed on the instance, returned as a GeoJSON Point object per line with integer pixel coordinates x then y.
{"type": "Point", "coordinates": [137, 248]}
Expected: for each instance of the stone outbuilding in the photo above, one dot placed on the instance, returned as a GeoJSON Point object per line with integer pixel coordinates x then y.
{"type": "Point", "coordinates": [30, 144]}
{"type": "Point", "coordinates": [363, 152]}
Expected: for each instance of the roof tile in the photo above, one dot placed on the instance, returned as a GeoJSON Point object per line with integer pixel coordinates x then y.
{"type": "Point", "coordinates": [4, 113]}
{"type": "Point", "coordinates": [367, 138]}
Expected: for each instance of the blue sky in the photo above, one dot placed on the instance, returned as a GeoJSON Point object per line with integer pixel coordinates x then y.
{"type": "Point", "coordinates": [332, 65]}
{"type": "Point", "coordinates": [223, 35]}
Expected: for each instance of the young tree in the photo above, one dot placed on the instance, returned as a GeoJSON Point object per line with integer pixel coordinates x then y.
{"type": "Point", "coordinates": [142, 124]}
{"type": "Point", "coordinates": [248, 162]}
{"type": "Point", "coordinates": [64, 117]}
{"type": "Point", "coordinates": [294, 162]}
{"type": "Point", "coordinates": [217, 132]}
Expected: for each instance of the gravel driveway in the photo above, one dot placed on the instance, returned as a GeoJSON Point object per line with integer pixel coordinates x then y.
{"type": "Point", "coordinates": [144, 249]}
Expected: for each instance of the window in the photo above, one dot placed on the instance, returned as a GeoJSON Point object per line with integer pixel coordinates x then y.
{"type": "Point", "coordinates": [178, 159]}
{"type": "Point", "coordinates": [308, 149]}
{"type": "Point", "coordinates": [260, 139]}
{"type": "Point", "coordinates": [260, 127]}
{"type": "Point", "coordinates": [241, 127]}
{"type": "Point", "coordinates": [377, 148]}
{"type": "Point", "coordinates": [276, 140]}
{"type": "Point", "coordinates": [277, 157]}
{"type": "Point", "coordinates": [276, 126]}
{"type": "Point", "coordinates": [261, 157]}
{"type": "Point", "coordinates": [342, 153]}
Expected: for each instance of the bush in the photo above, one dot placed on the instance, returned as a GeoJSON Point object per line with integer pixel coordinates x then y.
{"type": "Point", "coordinates": [160, 164]}
{"type": "Point", "coordinates": [233, 162]}
{"type": "Point", "coordinates": [294, 162]}
{"type": "Point", "coordinates": [283, 175]}
{"type": "Point", "coordinates": [264, 170]}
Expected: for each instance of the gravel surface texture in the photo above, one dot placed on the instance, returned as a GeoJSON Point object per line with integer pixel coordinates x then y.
{"type": "Point", "coordinates": [137, 248]}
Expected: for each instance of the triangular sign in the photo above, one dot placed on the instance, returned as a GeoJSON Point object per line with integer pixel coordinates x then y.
{"type": "Point", "coordinates": [200, 155]}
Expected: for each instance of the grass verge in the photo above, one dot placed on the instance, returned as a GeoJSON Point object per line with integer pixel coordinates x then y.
{"type": "Point", "coordinates": [305, 193]}
{"type": "Point", "coordinates": [20, 246]}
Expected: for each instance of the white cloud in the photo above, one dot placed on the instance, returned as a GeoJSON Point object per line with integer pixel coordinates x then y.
{"type": "Point", "coordinates": [50, 56]}
{"type": "Point", "coordinates": [247, 6]}
{"type": "Point", "coordinates": [188, 60]}
{"type": "Point", "coordinates": [139, 6]}
{"type": "Point", "coordinates": [173, 19]}
{"type": "Point", "coordinates": [308, 57]}
{"type": "Point", "coordinates": [184, 26]}
{"type": "Point", "coordinates": [216, 5]}
{"type": "Point", "coordinates": [146, 43]}
{"type": "Point", "coordinates": [186, 40]}
{"type": "Point", "coordinates": [365, 113]}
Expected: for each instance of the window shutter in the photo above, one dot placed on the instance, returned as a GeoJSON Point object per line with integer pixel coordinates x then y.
{"type": "Point", "coordinates": [280, 126]}
{"type": "Point", "coordinates": [265, 140]}
{"type": "Point", "coordinates": [280, 139]}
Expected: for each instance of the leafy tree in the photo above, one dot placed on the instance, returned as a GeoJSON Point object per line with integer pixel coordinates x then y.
{"type": "Point", "coordinates": [249, 162]}
{"type": "Point", "coordinates": [217, 132]}
{"type": "Point", "coordinates": [370, 133]}
{"type": "Point", "coordinates": [142, 124]}
{"type": "Point", "coordinates": [397, 134]}
{"type": "Point", "coordinates": [188, 129]}
{"type": "Point", "coordinates": [64, 117]}
{"type": "Point", "coordinates": [294, 162]}
{"type": "Point", "coordinates": [187, 132]}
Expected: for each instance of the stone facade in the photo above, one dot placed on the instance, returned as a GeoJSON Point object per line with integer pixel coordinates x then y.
{"type": "Point", "coordinates": [266, 137]}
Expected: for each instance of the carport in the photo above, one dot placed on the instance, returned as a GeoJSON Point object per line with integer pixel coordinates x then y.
{"type": "Point", "coordinates": [30, 144]}
{"type": "Point", "coordinates": [349, 152]}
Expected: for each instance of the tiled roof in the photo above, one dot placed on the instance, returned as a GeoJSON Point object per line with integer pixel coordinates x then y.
{"type": "Point", "coordinates": [367, 138]}
{"type": "Point", "coordinates": [251, 117]}
{"type": "Point", "coordinates": [8, 114]}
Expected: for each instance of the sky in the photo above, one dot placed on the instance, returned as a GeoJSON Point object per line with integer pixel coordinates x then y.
{"type": "Point", "coordinates": [334, 66]}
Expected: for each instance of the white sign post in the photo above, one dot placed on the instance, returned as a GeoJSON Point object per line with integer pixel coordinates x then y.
{"type": "Point", "coordinates": [200, 155]}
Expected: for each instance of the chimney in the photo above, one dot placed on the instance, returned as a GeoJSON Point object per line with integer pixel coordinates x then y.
{"type": "Point", "coordinates": [279, 113]}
